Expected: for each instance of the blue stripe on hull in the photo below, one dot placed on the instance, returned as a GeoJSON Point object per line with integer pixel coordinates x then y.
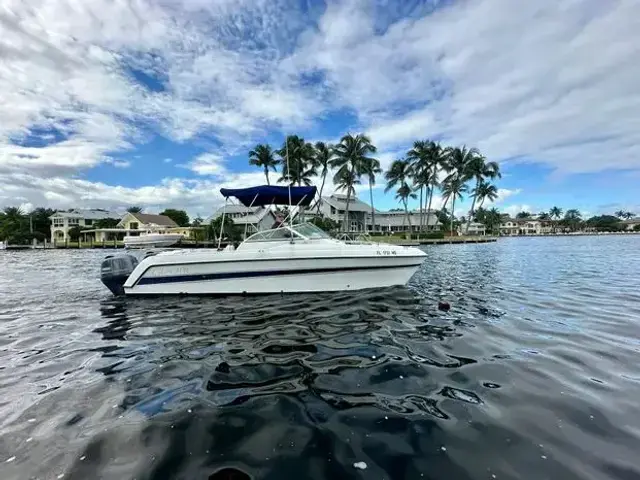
{"type": "Point", "coordinates": [261, 273]}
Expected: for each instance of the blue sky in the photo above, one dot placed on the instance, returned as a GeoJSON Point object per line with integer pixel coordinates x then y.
{"type": "Point", "coordinates": [156, 103]}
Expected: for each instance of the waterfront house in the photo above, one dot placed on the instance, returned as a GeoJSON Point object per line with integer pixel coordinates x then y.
{"type": "Point", "coordinates": [134, 224]}
{"type": "Point", "coordinates": [509, 227]}
{"type": "Point", "coordinates": [62, 222]}
{"type": "Point", "coordinates": [361, 220]}
{"type": "Point", "coordinates": [631, 224]}
{"type": "Point", "coordinates": [251, 219]}
{"type": "Point", "coordinates": [475, 229]}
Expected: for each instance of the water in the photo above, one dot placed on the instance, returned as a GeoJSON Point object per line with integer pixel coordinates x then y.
{"type": "Point", "coordinates": [533, 373]}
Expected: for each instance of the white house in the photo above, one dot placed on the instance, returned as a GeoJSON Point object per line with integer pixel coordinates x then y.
{"type": "Point", "coordinates": [146, 222]}
{"type": "Point", "coordinates": [361, 220]}
{"type": "Point", "coordinates": [631, 224]}
{"type": "Point", "coordinates": [475, 229]}
{"type": "Point", "coordinates": [134, 224]}
{"type": "Point", "coordinates": [62, 222]}
{"type": "Point", "coordinates": [254, 219]}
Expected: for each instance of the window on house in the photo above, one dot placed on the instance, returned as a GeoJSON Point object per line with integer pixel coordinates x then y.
{"type": "Point", "coordinates": [333, 210]}
{"type": "Point", "coordinates": [58, 222]}
{"type": "Point", "coordinates": [74, 221]}
{"type": "Point", "coordinates": [88, 222]}
{"type": "Point", "coordinates": [133, 225]}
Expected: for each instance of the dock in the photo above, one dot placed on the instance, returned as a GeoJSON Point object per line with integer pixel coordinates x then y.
{"type": "Point", "coordinates": [442, 241]}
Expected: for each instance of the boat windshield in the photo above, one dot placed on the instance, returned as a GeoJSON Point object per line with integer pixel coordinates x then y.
{"type": "Point", "coordinates": [310, 231]}
{"type": "Point", "coordinates": [304, 230]}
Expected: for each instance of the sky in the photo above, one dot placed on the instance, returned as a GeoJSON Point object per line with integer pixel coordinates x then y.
{"type": "Point", "coordinates": [112, 103]}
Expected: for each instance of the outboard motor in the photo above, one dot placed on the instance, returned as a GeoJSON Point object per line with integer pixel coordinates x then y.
{"type": "Point", "coordinates": [115, 270]}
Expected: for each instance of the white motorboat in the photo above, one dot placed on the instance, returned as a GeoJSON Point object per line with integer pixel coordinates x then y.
{"type": "Point", "coordinates": [285, 259]}
{"type": "Point", "coordinates": [152, 240]}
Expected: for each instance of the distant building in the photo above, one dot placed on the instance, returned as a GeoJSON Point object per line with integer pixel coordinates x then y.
{"type": "Point", "coordinates": [62, 222]}
{"type": "Point", "coordinates": [134, 224]}
{"type": "Point", "coordinates": [475, 229]}
{"type": "Point", "coordinates": [631, 224]}
{"type": "Point", "coordinates": [146, 222]}
{"type": "Point", "coordinates": [253, 218]}
{"type": "Point", "coordinates": [529, 226]}
{"type": "Point", "coordinates": [361, 220]}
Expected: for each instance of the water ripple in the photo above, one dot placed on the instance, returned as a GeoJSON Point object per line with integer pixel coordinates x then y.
{"type": "Point", "coordinates": [531, 374]}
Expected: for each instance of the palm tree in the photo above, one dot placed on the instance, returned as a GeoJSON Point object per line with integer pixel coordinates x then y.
{"type": "Point", "coordinates": [628, 215]}
{"type": "Point", "coordinates": [478, 168]}
{"type": "Point", "coordinates": [555, 212]}
{"type": "Point", "coordinates": [134, 209]}
{"type": "Point", "coordinates": [544, 216]}
{"type": "Point", "coordinates": [619, 214]}
{"type": "Point", "coordinates": [492, 219]}
{"type": "Point", "coordinates": [300, 165]}
{"type": "Point", "coordinates": [352, 153]}
{"type": "Point", "coordinates": [452, 189]}
{"type": "Point", "coordinates": [13, 223]}
{"type": "Point", "coordinates": [263, 156]}
{"type": "Point", "coordinates": [484, 191]}
{"type": "Point", "coordinates": [399, 174]}
{"type": "Point", "coordinates": [346, 180]}
{"type": "Point", "coordinates": [428, 158]}
{"type": "Point", "coordinates": [572, 218]}
{"type": "Point", "coordinates": [418, 155]}
{"type": "Point", "coordinates": [324, 156]}
{"type": "Point", "coordinates": [403, 194]}
{"type": "Point", "coordinates": [523, 215]}
{"type": "Point", "coordinates": [371, 168]}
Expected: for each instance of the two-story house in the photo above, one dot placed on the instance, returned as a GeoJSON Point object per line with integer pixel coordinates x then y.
{"type": "Point", "coordinates": [361, 220]}
{"type": "Point", "coordinates": [136, 223]}
{"type": "Point", "coordinates": [251, 219]}
{"type": "Point", "coordinates": [62, 222]}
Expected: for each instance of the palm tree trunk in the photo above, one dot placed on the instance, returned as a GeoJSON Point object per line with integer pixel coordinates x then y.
{"type": "Point", "coordinates": [420, 222]}
{"type": "Point", "coordinates": [324, 176]}
{"type": "Point", "coordinates": [406, 212]}
{"type": "Point", "coordinates": [373, 215]}
{"type": "Point", "coordinates": [266, 173]}
{"type": "Point", "coordinates": [346, 209]}
{"type": "Point", "coordinates": [430, 193]}
{"type": "Point", "coordinates": [453, 212]}
{"type": "Point", "coordinates": [473, 204]}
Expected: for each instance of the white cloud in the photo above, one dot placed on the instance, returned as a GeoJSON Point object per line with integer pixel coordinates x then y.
{"type": "Point", "coordinates": [208, 164]}
{"type": "Point", "coordinates": [551, 82]}
{"type": "Point", "coordinates": [548, 82]}
{"type": "Point", "coordinates": [513, 210]}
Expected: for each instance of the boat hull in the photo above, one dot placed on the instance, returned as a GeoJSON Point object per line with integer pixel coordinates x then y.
{"type": "Point", "coordinates": [152, 241]}
{"type": "Point", "coordinates": [254, 276]}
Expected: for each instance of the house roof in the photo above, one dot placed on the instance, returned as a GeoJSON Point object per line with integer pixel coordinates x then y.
{"type": "Point", "coordinates": [339, 201]}
{"type": "Point", "coordinates": [250, 215]}
{"type": "Point", "coordinates": [89, 214]}
{"type": "Point", "coordinates": [162, 220]}
{"type": "Point", "coordinates": [631, 221]}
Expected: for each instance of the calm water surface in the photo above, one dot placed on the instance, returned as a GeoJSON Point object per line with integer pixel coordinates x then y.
{"type": "Point", "coordinates": [533, 374]}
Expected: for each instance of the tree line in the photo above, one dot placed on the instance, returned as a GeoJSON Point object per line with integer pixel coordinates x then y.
{"type": "Point", "coordinates": [426, 167]}
{"type": "Point", "coordinates": [572, 219]}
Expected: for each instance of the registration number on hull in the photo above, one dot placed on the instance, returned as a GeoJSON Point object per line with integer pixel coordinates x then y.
{"type": "Point", "coordinates": [385, 252]}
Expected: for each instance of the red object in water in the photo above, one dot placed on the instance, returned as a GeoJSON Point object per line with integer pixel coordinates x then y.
{"type": "Point", "coordinates": [444, 306]}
